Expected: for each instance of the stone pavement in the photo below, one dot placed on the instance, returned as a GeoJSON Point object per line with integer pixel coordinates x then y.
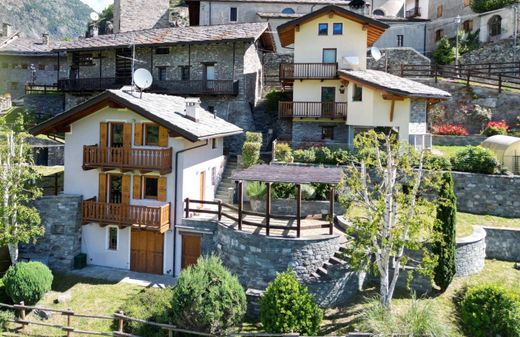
{"type": "Point", "coordinates": [125, 276]}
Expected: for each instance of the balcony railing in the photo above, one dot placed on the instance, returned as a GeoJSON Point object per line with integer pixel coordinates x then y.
{"type": "Point", "coordinates": [312, 109]}
{"type": "Point", "coordinates": [297, 71]}
{"type": "Point", "coordinates": [124, 158]}
{"type": "Point", "coordinates": [92, 84]}
{"type": "Point", "coordinates": [196, 87]}
{"type": "Point", "coordinates": [154, 218]}
{"type": "Point", "coordinates": [414, 12]}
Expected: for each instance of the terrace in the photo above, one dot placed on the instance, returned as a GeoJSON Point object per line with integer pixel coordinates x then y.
{"type": "Point", "coordinates": [334, 110]}
{"type": "Point", "coordinates": [308, 71]}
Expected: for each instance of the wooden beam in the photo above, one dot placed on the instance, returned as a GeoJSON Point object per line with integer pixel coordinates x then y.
{"type": "Point", "coordinates": [298, 209]}
{"type": "Point", "coordinates": [331, 14]}
{"type": "Point", "coordinates": [268, 208]}
{"type": "Point", "coordinates": [365, 26]}
{"type": "Point", "coordinates": [240, 203]}
{"type": "Point", "coordinates": [391, 97]}
{"type": "Point", "coordinates": [392, 108]}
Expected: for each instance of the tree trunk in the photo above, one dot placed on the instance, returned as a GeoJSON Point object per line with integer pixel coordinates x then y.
{"type": "Point", "coordinates": [13, 252]}
{"type": "Point", "coordinates": [384, 291]}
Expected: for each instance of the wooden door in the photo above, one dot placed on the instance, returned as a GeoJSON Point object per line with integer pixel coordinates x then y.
{"type": "Point", "coordinates": [202, 184]}
{"type": "Point", "coordinates": [147, 250]}
{"type": "Point", "coordinates": [190, 249]}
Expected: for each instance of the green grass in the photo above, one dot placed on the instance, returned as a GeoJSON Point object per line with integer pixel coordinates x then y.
{"type": "Point", "coordinates": [466, 221]}
{"type": "Point", "coordinates": [446, 151]}
{"type": "Point", "coordinates": [49, 170]}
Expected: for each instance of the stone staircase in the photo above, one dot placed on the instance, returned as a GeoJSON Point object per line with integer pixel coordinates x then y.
{"type": "Point", "coordinates": [226, 188]}
{"type": "Point", "coordinates": [264, 120]}
{"type": "Point", "coordinates": [337, 260]}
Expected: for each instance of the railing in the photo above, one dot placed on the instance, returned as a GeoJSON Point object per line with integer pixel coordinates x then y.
{"type": "Point", "coordinates": [312, 109]}
{"type": "Point", "coordinates": [95, 156]}
{"type": "Point", "coordinates": [155, 218]}
{"type": "Point", "coordinates": [196, 87]}
{"type": "Point", "coordinates": [93, 84]}
{"type": "Point", "coordinates": [31, 88]}
{"type": "Point", "coordinates": [411, 13]}
{"type": "Point", "coordinates": [296, 71]}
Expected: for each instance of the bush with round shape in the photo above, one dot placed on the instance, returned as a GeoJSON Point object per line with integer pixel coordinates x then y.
{"type": "Point", "coordinates": [251, 153]}
{"type": "Point", "coordinates": [475, 159]}
{"type": "Point", "coordinates": [287, 306]}
{"type": "Point", "coordinates": [283, 153]}
{"type": "Point", "coordinates": [254, 137]}
{"type": "Point", "coordinates": [495, 128]}
{"type": "Point", "coordinates": [207, 298]}
{"type": "Point", "coordinates": [305, 155]}
{"type": "Point", "coordinates": [490, 310]}
{"type": "Point", "coordinates": [27, 281]}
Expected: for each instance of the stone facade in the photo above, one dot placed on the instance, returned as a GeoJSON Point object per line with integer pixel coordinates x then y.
{"type": "Point", "coordinates": [133, 15]}
{"type": "Point", "coordinates": [443, 140]}
{"type": "Point", "coordinates": [44, 106]}
{"type": "Point", "coordinates": [471, 253]}
{"type": "Point", "coordinates": [61, 217]}
{"type": "Point", "coordinates": [496, 52]}
{"type": "Point", "coordinates": [393, 58]}
{"type": "Point", "coordinates": [311, 131]}
{"type": "Point", "coordinates": [418, 117]}
{"type": "Point", "coordinates": [503, 243]}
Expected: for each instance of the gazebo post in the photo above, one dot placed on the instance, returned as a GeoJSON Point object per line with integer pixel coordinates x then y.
{"type": "Point", "coordinates": [331, 209]}
{"type": "Point", "coordinates": [240, 203]}
{"type": "Point", "coordinates": [298, 209]}
{"type": "Point", "coordinates": [268, 208]}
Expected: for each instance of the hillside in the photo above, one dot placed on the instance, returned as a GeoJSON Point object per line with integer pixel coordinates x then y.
{"type": "Point", "coordinates": [60, 18]}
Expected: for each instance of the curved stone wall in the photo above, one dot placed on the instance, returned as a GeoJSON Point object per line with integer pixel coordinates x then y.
{"type": "Point", "coordinates": [471, 253]}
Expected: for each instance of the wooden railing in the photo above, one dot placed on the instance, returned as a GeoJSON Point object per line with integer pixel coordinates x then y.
{"type": "Point", "coordinates": [296, 71]}
{"type": "Point", "coordinates": [155, 218]}
{"type": "Point", "coordinates": [312, 109]}
{"type": "Point", "coordinates": [92, 84]}
{"type": "Point", "coordinates": [95, 156]}
{"type": "Point", "coordinates": [196, 87]}
{"type": "Point", "coordinates": [413, 12]}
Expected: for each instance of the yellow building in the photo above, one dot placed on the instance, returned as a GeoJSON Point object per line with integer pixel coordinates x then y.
{"type": "Point", "coordinates": [334, 94]}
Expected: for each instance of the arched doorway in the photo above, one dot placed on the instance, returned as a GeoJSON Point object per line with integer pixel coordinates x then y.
{"type": "Point", "coordinates": [495, 25]}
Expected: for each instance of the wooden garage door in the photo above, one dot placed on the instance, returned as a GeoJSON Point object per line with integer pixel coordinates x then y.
{"type": "Point", "coordinates": [190, 249]}
{"type": "Point", "coordinates": [147, 252]}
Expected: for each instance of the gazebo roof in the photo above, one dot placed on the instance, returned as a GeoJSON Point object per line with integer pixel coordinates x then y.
{"type": "Point", "coordinates": [290, 174]}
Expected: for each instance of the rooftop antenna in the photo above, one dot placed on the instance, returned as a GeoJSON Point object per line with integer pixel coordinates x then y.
{"type": "Point", "coordinates": [133, 59]}
{"type": "Point", "coordinates": [142, 79]}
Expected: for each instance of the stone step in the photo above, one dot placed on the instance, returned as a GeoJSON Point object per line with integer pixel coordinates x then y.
{"type": "Point", "coordinates": [315, 275]}
{"type": "Point", "coordinates": [327, 265]}
{"type": "Point", "coordinates": [343, 249]}
{"type": "Point", "coordinates": [336, 260]}
{"type": "Point", "coordinates": [321, 271]}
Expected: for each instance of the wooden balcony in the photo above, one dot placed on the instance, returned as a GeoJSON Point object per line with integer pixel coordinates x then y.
{"type": "Point", "coordinates": [125, 158]}
{"type": "Point", "coordinates": [413, 12]}
{"type": "Point", "coordinates": [312, 110]}
{"type": "Point", "coordinates": [306, 71]}
{"type": "Point", "coordinates": [196, 87]}
{"type": "Point", "coordinates": [152, 218]}
{"type": "Point", "coordinates": [92, 84]}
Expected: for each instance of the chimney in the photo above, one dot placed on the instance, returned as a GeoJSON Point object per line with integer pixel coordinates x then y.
{"type": "Point", "coordinates": [6, 29]}
{"type": "Point", "coordinates": [192, 108]}
{"type": "Point", "coordinates": [45, 39]}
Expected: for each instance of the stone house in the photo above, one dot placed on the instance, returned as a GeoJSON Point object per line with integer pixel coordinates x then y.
{"type": "Point", "coordinates": [130, 160]}
{"type": "Point", "coordinates": [221, 64]}
{"type": "Point", "coordinates": [334, 94]}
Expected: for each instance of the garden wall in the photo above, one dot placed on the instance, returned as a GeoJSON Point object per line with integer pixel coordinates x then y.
{"type": "Point", "coordinates": [503, 243]}
{"type": "Point", "coordinates": [288, 207]}
{"type": "Point", "coordinates": [473, 140]}
{"type": "Point", "coordinates": [471, 253]}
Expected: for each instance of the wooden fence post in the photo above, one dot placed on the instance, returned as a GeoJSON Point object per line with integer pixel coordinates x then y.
{"type": "Point", "coordinates": [240, 203]}
{"type": "Point", "coordinates": [499, 83]}
{"type": "Point", "coordinates": [402, 69]}
{"type": "Point", "coordinates": [468, 77]}
{"type": "Point", "coordinates": [187, 209]}
{"type": "Point", "coordinates": [69, 321]}
{"type": "Point", "coordinates": [55, 183]}
{"type": "Point", "coordinates": [219, 210]}
{"type": "Point", "coordinates": [120, 322]}
{"type": "Point", "coordinates": [22, 314]}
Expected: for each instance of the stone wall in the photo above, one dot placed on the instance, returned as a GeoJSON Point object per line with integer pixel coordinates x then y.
{"type": "Point", "coordinates": [60, 215]}
{"type": "Point", "coordinates": [443, 140]}
{"type": "Point", "coordinates": [310, 131]}
{"type": "Point", "coordinates": [494, 52]}
{"type": "Point", "coordinates": [471, 253]}
{"type": "Point", "coordinates": [44, 106]}
{"type": "Point", "coordinates": [396, 57]}
{"type": "Point", "coordinates": [503, 243]}
{"type": "Point", "coordinates": [288, 207]}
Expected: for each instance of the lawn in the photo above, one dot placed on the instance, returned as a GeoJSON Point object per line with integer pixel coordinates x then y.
{"type": "Point", "coordinates": [446, 151]}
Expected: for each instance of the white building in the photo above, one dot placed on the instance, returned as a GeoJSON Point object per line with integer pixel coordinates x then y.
{"type": "Point", "coordinates": [134, 158]}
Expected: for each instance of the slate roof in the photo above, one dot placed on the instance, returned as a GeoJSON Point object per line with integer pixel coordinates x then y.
{"type": "Point", "coordinates": [393, 84]}
{"type": "Point", "coordinates": [328, 2]}
{"type": "Point", "coordinates": [168, 111]}
{"type": "Point", "coordinates": [22, 45]}
{"type": "Point", "coordinates": [290, 174]}
{"type": "Point", "coordinates": [172, 36]}
{"type": "Point", "coordinates": [278, 15]}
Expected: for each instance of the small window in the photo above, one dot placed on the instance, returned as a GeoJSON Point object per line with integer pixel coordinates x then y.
{"type": "Point", "coordinates": [468, 26]}
{"type": "Point", "coordinates": [400, 40]}
{"type": "Point", "coordinates": [185, 73]}
{"type": "Point", "coordinates": [162, 51]}
{"type": "Point", "coordinates": [357, 93]}
{"type": "Point", "coordinates": [214, 143]}
{"type": "Point", "coordinates": [112, 238]}
{"type": "Point", "coordinates": [495, 25]}
{"type": "Point", "coordinates": [161, 73]}
{"type": "Point", "coordinates": [151, 134]}
{"type": "Point", "coordinates": [5, 65]}
{"type": "Point", "coordinates": [233, 14]}
{"type": "Point", "coordinates": [323, 29]}
{"type": "Point", "coordinates": [329, 55]}
{"type": "Point", "coordinates": [327, 132]}
{"type": "Point", "coordinates": [379, 12]}
{"type": "Point", "coordinates": [41, 66]}
{"type": "Point", "coordinates": [151, 188]}
{"type": "Point", "coordinates": [288, 11]}
{"type": "Point", "coordinates": [438, 35]}
{"type": "Point", "coordinates": [337, 28]}
{"type": "Point", "coordinates": [439, 11]}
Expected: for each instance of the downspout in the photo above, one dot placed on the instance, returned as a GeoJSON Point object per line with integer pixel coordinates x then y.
{"type": "Point", "coordinates": [209, 13]}
{"type": "Point", "coordinates": [424, 41]}
{"type": "Point", "coordinates": [175, 202]}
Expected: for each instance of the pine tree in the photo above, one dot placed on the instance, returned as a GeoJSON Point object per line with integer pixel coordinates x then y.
{"type": "Point", "coordinates": [445, 52]}
{"type": "Point", "coordinates": [445, 246]}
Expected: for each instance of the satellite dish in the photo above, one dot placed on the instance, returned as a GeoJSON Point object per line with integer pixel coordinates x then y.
{"type": "Point", "coordinates": [376, 53]}
{"type": "Point", "coordinates": [142, 78]}
{"type": "Point", "coordinates": [94, 16]}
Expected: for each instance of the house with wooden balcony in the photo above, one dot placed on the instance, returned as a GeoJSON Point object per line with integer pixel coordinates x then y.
{"type": "Point", "coordinates": [135, 157]}
{"type": "Point", "coordinates": [334, 95]}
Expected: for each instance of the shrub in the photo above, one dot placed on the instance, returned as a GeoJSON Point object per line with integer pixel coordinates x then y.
{"type": "Point", "coordinates": [450, 130]}
{"type": "Point", "coordinates": [5, 316]}
{"type": "Point", "coordinates": [495, 128]}
{"type": "Point", "coordinates": [256, 190]}
{"type": "Point", "coordinates": [481, 6]}
{"type": "Point", "coordinates": [284, 190]}
{"type": "Point", "coordinates": [475, 159]}
{"type": "Point", "coordinates": [273, 97]}
{"type": "Point", "coordinates": [208, 298]}
{"type": "Point", "coordinates": [437, 162]}
{"type": "Point", "coordinates": [445, 246]}
{"type": "Point", "coordinates": [445, 53]}
{"type": "Point", "coordinates": [324, 155]}
{"type": "Point", "coordinates": [283, 153]}
{"type": "Point", "coordinates": [250, 153]}
{"type": "Point", "coordinates": [27, 281]}
{"type": "Point", "coordinates": [151, 304]}
{"type": "Point", "coordinates": [286, 306]}
{"type": "Point", "coordinates": [308, 192]}
{"type": "Point", "coordinates": [490, 310]}
{"type": "Point", "coordinates": [341, 156]}
{"type": "Point", "coordinates": [253, 137]}
{"type": "Point", "coordinates": [305, 155]}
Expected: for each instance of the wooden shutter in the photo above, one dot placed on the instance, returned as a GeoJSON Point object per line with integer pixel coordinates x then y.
{"type": "Point", "coordinates": [103, 134]}
{"type": "Point", "coordinates": [125, 189]}
{"type": "Point", "coordinates": [161, 186]}
{"type": "Point", "coordinates": [163, 136]}
{"type": "Point", "coordinates": [137, 187]}
{"type": "Point", "coordinates": [102, 187]}
{"type": "Point", "coordinates": [127, 135]}
{"type": "Point", "coordinates": [138, 134]}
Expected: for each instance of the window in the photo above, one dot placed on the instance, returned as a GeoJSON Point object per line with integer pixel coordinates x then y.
{"type": "Point", "coordinates": [438, 35]}
{"type": "Point", "coordinates": [151, 134]}
{"type": "Point", "coordinates": [41, 66]}
{"type": "Point", "coordinates": [400, 40]}
{"type": "Point", "coordinates": [233, 14]}
{"type": "Point", "coordinates": [357, 93]}
{"type": "Point", "coordinates": [495, 25]}
{"type": "Point", "coordinates": [468, 26]}
{"type": "Point", "coordinates": [327, 132]}
{"type": "Point", "coordinates": [162, 51]}
{"type": "Point", "coordinates": [151, 187]}
{"type": "Point", "coordinates": [214, 143]}
{"type": "Point", "coordinates": [329, 56]}
{"type": "Point", "coordinates": [112, 238]}
{"type": "Point", "coordinates": [467, 3]}
{"type": "Point", "coordinates": [161, 73]}
{"type": "Point", "coordinates": [323, 29]}
{"type": "Point", "coordinates": [288, 11]}
{"type": "Point", "coordinates": [439, 11]}
{"type": "Point", "coordinates": [337, 28]}
{"type": "Point", "coordinates": [185, 73]}
{"type": "Point", "coordinates": [379, 12]}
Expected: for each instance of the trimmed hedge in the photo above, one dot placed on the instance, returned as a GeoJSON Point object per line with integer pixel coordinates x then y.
{"type": "Point", "coordinates": [254, 137]}
{"type": "Point", "coordinates": [475, 159]}
{"type": "Point", "coordinates": [27, 281]}
{"type": "Point", "coordinates": [319, 155]}
{"type": "Point", "coordinates": [283, 153]}
{"type": "Point", "coordinates": [251, 153]}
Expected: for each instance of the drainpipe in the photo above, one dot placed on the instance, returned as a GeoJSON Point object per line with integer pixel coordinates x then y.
{"type": "Point", "coordinates": [209, 13]}
{"type": "Point", "coordinates": [424, 41]}
{"type": "Point", "coordinates": [175, 202]}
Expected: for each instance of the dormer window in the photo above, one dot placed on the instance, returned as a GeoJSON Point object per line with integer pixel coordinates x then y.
{"type": "Point", "coordinates": [337, 28]}
{"type": "Point", "coordinates": [323, 29]}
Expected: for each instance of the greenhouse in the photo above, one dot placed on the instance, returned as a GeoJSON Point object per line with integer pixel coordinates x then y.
{"type": "Point", "coordinates": [506, 149]}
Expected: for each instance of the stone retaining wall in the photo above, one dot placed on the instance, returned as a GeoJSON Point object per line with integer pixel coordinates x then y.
{"type": "Point", "coordinates": [444, 140]}
{"type": "Point", "coordinates": [503, 243]}
{"type": "Point", "coordinates": [471, 253]}
{"type": "Point", "coordinates": [288, 207]}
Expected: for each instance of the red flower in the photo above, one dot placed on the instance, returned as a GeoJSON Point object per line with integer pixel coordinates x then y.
{"type": "Point", "coordinates": [450, 129]}
{"type": "Point", "coordinates": [498, 124]}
